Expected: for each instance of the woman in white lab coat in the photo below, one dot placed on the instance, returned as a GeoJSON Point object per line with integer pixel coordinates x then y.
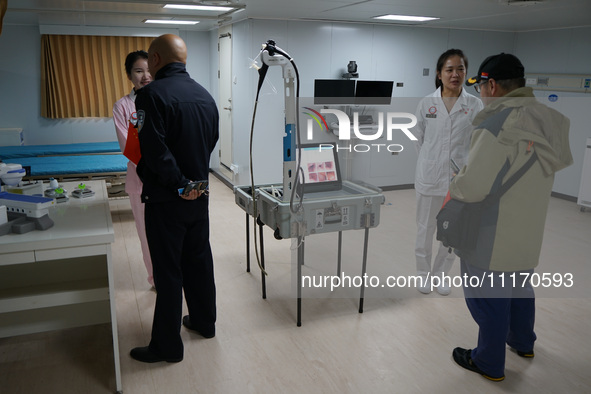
{"type": "Point", "coordinates": [443, 130]}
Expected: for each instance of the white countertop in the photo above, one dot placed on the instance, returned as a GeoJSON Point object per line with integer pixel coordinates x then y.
{"type": "Point", "coordinates": [77, 222]}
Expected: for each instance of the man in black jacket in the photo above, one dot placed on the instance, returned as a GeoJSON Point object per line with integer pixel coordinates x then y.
{"type": "Point", "coordinates": [178, 129]}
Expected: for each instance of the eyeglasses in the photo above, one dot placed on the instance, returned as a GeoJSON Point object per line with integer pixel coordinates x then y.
{"type": "Point", "coordinates": [478, 87]}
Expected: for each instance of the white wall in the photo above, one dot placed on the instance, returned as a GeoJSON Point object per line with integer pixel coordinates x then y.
{"type": "Point", "coordinates": [323, 50]}
{"type": "Point", "coordinates": [213, 58]}
{"type": "Point", "coordinates": [20, 98]}
{"type": "Point", "coordinates": [198, 59]}
{"type": "Point", "coordinates": [20, 88]}
{"type": "Point", "coordinates": [565, 51]}
{"type": "Point", "coordinates": [320, 50]}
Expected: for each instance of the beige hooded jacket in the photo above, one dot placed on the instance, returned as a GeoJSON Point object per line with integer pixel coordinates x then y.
{"type": "Point", "coordinates": [507, 131]}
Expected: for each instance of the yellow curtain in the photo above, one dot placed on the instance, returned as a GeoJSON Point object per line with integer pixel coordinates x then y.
{"type": "Point", "coordinates": [83, 76]}
{"type": "Point", "coordinates": [3, 7]}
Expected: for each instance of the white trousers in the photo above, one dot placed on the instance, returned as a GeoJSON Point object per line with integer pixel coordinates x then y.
{"type": "Point", "coordinates": [427, 209]}
{"type": "Point", "coordinates": [137, 208]}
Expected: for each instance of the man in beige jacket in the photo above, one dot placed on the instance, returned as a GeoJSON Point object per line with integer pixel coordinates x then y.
{"type": "Point", "coordinates": [512, 126]}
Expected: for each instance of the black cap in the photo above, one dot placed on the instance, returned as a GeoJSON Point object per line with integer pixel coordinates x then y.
{"type": "Point", "coordinates": [498, 67]}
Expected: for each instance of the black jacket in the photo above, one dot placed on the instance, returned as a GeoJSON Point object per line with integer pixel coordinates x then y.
{"type": "Point", "coordinates": [178, 127]}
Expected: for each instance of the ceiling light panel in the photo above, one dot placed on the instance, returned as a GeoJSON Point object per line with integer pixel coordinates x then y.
{"type": "Point", "coordinates": [405, 18]}
{"type": "Point", "coordinates": [198, 7]}
{"type": "Point", "coordinates": [170, 22]}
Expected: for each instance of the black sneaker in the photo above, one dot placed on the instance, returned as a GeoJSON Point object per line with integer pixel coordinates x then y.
{"type": "Point", "coordinates": [464, 360]}
{"type": "Point", "coordinates": [528, 354]}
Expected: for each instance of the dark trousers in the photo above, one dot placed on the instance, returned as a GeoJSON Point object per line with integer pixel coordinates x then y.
{"type": "Point", "coordinates": [178, 238]}
{"type": "Point", "coordinates": [505, 314]}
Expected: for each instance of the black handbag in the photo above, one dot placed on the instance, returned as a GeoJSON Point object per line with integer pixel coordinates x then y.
{"type": "Point", "coordinates": [458, 222]}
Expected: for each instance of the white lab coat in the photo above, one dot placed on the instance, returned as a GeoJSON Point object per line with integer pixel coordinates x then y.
{"type": "Point", "coordinates": [442, 136]}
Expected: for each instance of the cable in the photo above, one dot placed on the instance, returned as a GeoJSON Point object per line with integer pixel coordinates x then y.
{"type": "Point", "coordinates": [262, 73]}
{"type": "Point", "coordinates": [298, 177]}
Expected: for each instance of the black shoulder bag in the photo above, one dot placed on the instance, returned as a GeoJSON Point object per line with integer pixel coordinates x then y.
{"type": "Point", "coordinates": [458, 222]}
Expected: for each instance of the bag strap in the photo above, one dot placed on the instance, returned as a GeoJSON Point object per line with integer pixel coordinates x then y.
{"type": "Point", "coordinates": [511, 181]}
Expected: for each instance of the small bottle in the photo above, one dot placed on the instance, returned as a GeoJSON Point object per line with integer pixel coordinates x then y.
{"type": "Point", "coordinates": [53, 183]}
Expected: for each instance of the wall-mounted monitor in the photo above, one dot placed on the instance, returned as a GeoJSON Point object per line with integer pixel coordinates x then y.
{"type": "Point", "coordinates": [334, 91]}
{"type": "Point", "coordinates": [373, 92]}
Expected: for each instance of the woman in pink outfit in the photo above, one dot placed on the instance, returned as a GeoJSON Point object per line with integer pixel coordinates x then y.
{"type": "Point", "coordinates": [136, 67]}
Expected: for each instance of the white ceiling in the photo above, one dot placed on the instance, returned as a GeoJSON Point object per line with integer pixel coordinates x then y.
{"type": "Point", "coordinates": [461, 14]}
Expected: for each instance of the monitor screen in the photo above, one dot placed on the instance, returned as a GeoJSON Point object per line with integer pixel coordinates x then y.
{"type": "Point", "coordinates": [320, 167]}
{"type": "Point", "coordinates": [374, 92]}
{"type": "Point", "coordinates": [334, 91]}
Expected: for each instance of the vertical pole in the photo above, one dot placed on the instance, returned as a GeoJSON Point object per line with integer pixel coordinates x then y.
{"type": "Point", "coordinates": [247, 243]}
{"type": "Point", "coordinates": [339, 253]}
{"type": "Point", "coordinates": [299, 280]}
{"type": "Point", "coordinates": [363, 269]}
{"type": "Point", "coordinates": [263, 282]}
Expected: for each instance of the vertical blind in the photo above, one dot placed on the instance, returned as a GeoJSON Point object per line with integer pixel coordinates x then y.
{"type": "Point", "coordinates": [83, 76]}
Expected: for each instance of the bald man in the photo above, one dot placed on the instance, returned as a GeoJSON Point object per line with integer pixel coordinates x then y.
{"type": "Point", "coordinates": [178, 129]}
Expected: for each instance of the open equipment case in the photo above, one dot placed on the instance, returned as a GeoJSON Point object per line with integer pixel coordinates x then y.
{"type": "Point", "coordinates": [313, 198]}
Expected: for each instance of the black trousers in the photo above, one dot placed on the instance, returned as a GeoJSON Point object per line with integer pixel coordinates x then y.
{"type": "Point", "coordinates": [178, 238]}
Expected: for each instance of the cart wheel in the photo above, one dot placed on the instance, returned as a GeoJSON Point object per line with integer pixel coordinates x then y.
{"type": "Point", "coordinates": [277, 234]}
{"type": "Point", "coordinates": [259, 222]}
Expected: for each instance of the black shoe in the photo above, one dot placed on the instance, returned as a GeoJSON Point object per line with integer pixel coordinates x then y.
{"type": "Point", "coordinates": [528, 354]}
{"type": "Point", "coordinates": [145, 355]}
{"type": "Point", "coordinates": [204, 334]}
{"type": "Point", "coordinates": [464, 360]}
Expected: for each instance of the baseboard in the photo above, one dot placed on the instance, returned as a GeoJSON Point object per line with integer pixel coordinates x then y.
{"type": "Point", "coordinates": [397, 187]}
{"type": "Point", "coordinates": [564, 197]}
{"type": "Point", "coordinates": [222, 178]}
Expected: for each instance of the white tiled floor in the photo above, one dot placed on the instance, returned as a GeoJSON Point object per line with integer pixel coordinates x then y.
{"type": "Point", "coordinates": [399, 344]}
